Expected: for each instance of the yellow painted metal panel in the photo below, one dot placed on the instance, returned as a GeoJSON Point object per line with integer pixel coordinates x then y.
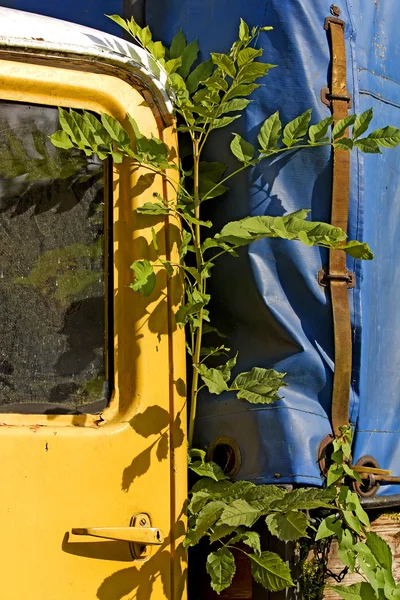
{"type": "Point", "coordinates": [61, 472]}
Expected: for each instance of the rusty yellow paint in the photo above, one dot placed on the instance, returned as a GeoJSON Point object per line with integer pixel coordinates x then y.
{"type": "Point", "coordinates": [61, 472]}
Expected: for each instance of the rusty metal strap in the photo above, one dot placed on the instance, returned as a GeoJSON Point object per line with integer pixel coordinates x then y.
{"type": "Point", "coordinates": [338, 275]}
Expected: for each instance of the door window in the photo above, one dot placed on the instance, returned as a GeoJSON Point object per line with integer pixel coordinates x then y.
{"type": "Point", "coordinates": [53, 270]}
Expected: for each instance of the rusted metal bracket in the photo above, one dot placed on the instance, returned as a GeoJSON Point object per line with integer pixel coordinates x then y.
{"type": "Point", "coordinates": [327, 97]}
{"type": "Point", "coordinates": [324, 278]}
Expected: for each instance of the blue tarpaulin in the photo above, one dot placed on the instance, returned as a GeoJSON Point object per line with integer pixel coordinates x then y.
{"type": "Point", "coordinates": [269, 301]}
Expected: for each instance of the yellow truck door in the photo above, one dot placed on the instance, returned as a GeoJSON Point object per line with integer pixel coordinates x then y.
{"type": "Point", "coordinates": [92, 392]}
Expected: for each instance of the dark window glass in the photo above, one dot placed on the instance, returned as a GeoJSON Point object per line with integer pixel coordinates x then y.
{"type": "Point", "coordinates": [53, 356]}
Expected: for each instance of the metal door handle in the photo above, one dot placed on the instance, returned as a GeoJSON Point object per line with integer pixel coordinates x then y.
{"type": "Point", "coordinates": [140, 534]}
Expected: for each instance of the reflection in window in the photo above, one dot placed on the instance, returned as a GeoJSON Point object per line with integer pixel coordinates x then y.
{"type": "Point", "coordinates": [52, 298]}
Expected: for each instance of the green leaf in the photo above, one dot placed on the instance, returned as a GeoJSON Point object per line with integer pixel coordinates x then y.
{"type": "Point", "coordinates": [262, 496]}
{"type": "Point", "coordinates": [242, 149]}
{"type": "Point", "coordinates": [270, 132]}
{"type": "Point", "coordinates": [145, 279]}
{"type": "Point", "coordinates": [296, 129]}
{"type": "Point", "coordinates": [153, 208]}
{"type": "Point", "coordinates": [335, 473]}
{"type": "Point", "coordinates": [248, 55]}
{"type": "Point", "coordinates": [250, 538]}
{"type": "Point", "coordinates": [210, 485]}
{"type": "Point", "coordinates": [186, 239]}
{"type": "Point", "coordinates": [359, 250]}
{"type": "Point", "coordinates": [209, 175]}
{"type": "Point", "coordinates": [120, 21]}
{"type": "Point", "coordinates": [206, 519]}
{"type": "Point", "coordinates": [185, 311]}
{"type": "Point", "coordinates": [380, 550]}
{"type": "Point", "coordinates": [221, 568]}
{"type": "Point", "coordinates": [158, 50]}
{"type": "Point", "coordinates": [239, 512]}
{"type": "Point", "coordinates": [331, 525]}
{"type": "Point", "coordinates": [344, 144]}
{"type": "Point", "coordinates": [170, 67]}
{"type": "Point", "coordinates": [168, 267]}
{"type": "Point", "coordinates": [224, 63]}
{"type": "Point", "coordinates": [258, 386]}
{"type": "Point", "coordinates": [252, 71]}
{"type": "Point", "coordinates": [189, 55]}
{"type": "Point", "coordinates": [319, 131]}
{"type": "Point", "coordinates": [367, 145]}
{"type": "Point", "coordinates": [198, 501]}
{"type": "Point", "coordinates": [360, 512]}
{"type": "Point", "coordinates": [223, 122]}
{"type": "Point", "coordinates": [178, 45]}
{"type": "Point", "coordinates": [213, 378]}
{"type": "Point", "coordinates": [289, 526]}
{"type": "Point", "coordinates": [356, 591]}
{"type": "Point", "coordinates": [362, 122]}
{"type": "Point", "coordinates": [270, 571]}
{"type": "Point", "coordinates": [243, 30]}
{"type": "Point", "coordinates": [388, 137]}
{"type": "Point", "coordinates": [352, 521]}
{"type": "Point", "coordinates": [199, 74]}
{"type": "Point", "coordinates": [340, 128]}
{"type": "Point", "coordinates": [346, 549]}
{"type": "Point", "coordinates": [208, 469]}
{"type": "Point", "coordinates": [60, 139]}
{"type": "Point", "coordinates": [241, 90]}
{"type": "Point", "coordinates": [234, 105]}
{"type": "Point", "coordinates": [227, 368]}
{"type": "Point", "coordinates": [305, 499]}
{"type": "Point", "coordinates": [221, 531]}
{"type": "Point", "coordinates": [198, 452]}
{"type": "Point", "coordinates": [114, 129]}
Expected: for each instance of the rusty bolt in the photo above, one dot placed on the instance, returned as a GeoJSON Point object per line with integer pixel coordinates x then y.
{"type": "Point", "coordinates": [142, 522]}
{"type": "Point", "coordinates": [335, 10]}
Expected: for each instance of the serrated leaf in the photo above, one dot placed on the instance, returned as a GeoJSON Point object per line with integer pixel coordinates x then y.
{"type": "Point", "coordinates": [239, 512]}
{"type": "Point", "coordinates": [380, 550]}
{"type": "Point", "coordinates": [252, 71]}
{"type": "Point", "coordinates": [250, 538]}
{"type": "Point", "coordinates": [352, 521]}
{"type": "Point", "coordinates": [289, 526]}
{"type": "Point", "coordinates": [237, 490]}
{"type": "Point", "coordinates": [210, 485]}
{"type": "Point", "coordinates": [221, 531]}
{"type": "Point", "coordinates": [356, 591]}
{"type": "Point", "coordinates": [270, 132]}
{"type": "Point", "coordinates": [223, 122]}
{"type": "Point", "coordinates": [305, 499]}
{"type": "Point", "coordinates": [207, 469]}
{"type": "Point", "coordinates": [368, 146]}
{"type": "Point", "coordinates": [60, 139]}
{"type": "Point", "coordinates": [296, 129]}
{"type": "Point", "coordinates": [198, 501]}
{"type": "Point", "coordinates": [388, 137]}
{"type": "Point", "coordinates": [331, 525]}
{"type": "Point", "coordinates": [248, 55]}
{"type": "Point", "coordinates": [153, 208]}
{"type": "Point", "coordinates": [221, 568]}
{"type": "Point", "coordinates": [340, 128]}
{"type": "Point", "coordinates": [319, 130]}
{"type": "Point", "coordinates": [335, 473]}
{"type": "Point", "coordinates": [224, 63]}
{"type": "Point", "coordinates": [361, 123]}
{"type": "Point", "coordinates": [199, 74]}
{"type": "Point", "coordinates": [258, 386]}
{"type": "Point", "coordinates": [189, 56]}
{"type": "Point", "coordinates": [178, 45]}
{"type": "Point", "coordinates": [262, 496]}
{"type": "Point", "coordinates": [270, 571]}
{"type": "Point", "coordinates": [213, 379]}
{"type": "Point", "coordinates": [241, 149]}
{"type": "Point", "coordinates": [145, 279]}
{"type": "Point", "coordinates": [206, 519]}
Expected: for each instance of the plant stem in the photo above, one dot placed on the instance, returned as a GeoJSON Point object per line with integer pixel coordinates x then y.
{"type": "Point", "coordinates": [199, 264]}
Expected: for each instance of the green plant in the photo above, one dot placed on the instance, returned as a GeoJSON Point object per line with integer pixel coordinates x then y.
{"type": "Point", "coordinates": [209, 97]}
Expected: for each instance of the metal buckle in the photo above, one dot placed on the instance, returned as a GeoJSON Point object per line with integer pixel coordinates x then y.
{"type": "Point", "coordinates": [324, 278]}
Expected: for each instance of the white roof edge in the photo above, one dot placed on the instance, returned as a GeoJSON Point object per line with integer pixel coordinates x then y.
{"type": "Point", "coordinates": [30, 32]}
